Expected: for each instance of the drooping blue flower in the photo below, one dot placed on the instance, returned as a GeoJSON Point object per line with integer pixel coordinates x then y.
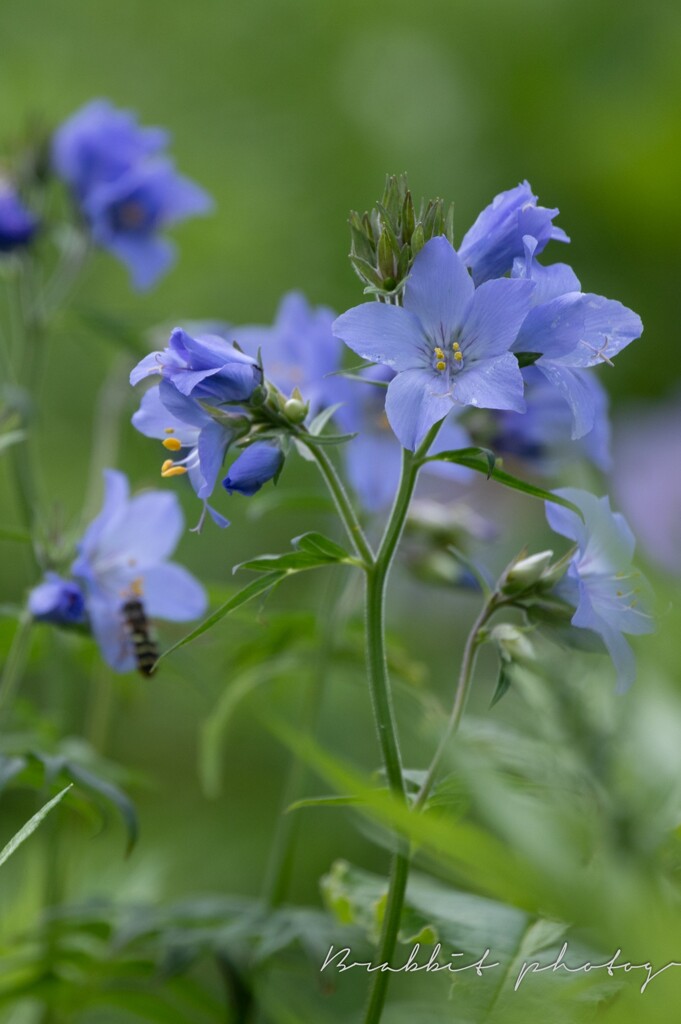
{"type": "Point", "coordinates": [449, 343]}
{"type": "Point", "coordinates": [207, 368]}
{"type": "Point", "coordinates": [609, 595]}
{"type": "Point", "coordinates": [125, 551]}
{"type": "Point", "coordinates": [184, 428]}
{"type": "Point", "coordinates": [542, 436]}
{"type": "Point", "coordinates": [57, 600]}
{"type": "Point", "coordinates": [127, 191]}
{"type": "Point", "coordinates": [574, 331]}
{"type": "Point", "coordinates": [99, 143]}
{"type": "Point", "coordinates": [257, 465]}
{"type": "Point", "coordinates": [299, 350]}
{"type": "Point", "coordinates": [374, 457]}
{"type": "Point", "coordinates": [17, 224]}
{"type": "Point", "coordinates": [490, 246]}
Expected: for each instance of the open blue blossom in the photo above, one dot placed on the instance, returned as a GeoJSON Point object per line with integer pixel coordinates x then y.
{"type": "Point", "coordinates": [542, 436]}
{"type": "Point", "coordinates": [609, 595]}
{"type": "Point", "coordinates": [58, 601]}
{"type": "Point", "coordinates": [257, 465]}
{"type": "Point", "coordinates": [299, 350]}
{"type": "Point", "coordinates": [126, 189]}
{"type": "Point", "coordinates": [449, 343]}
{"type": "Point", "coordinates": [125, 551]}
{"type": "Point", "coordinates": [17, 223]}
{"type": "Point", "coordinates": [574, 331]}
{"type": "Point", "coordinates": [99, 143]}
{"type": "Point", "coordinates": [490, 246]}
{"type": "Point", "coordinates": [208, 368]}
{"type": "Point", "coordinates": [184, 428]}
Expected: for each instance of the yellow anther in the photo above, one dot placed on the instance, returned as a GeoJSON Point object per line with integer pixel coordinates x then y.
{"type": "Point", "coordinates": [172, 444]}
{"type": "Point", "coordinates": [456, 346]}
{"type": "Point", "coordinates": [439, 353]}
{"type": "Point", "coordinates": [440, 365]}
{"type": "Point", "coordinates": [169, 430]}
{"type": "Point", "coordinates": [173, 470]}
{"type": "Point", "coordinates": [458, 356]}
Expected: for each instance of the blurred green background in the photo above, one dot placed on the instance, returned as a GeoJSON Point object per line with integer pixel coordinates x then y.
{"type": "Point", "coordinates": [290, 114]}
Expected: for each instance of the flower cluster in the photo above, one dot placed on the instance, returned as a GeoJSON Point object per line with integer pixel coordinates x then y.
{"type": "Point", "coordinates": [125, 186]}
{"type": "Point", "coordinates": [123, 553]}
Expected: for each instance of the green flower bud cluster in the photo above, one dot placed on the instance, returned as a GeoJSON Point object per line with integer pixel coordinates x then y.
{"type": "Point", "coordinates": [386, 241]}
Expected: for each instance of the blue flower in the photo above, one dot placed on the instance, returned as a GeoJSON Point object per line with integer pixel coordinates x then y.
{"type": "Point", "coordinates": [183, 427]}
{"type": "Point", "coordinates": [58, 601]}
{"type": "Point", "coordinates": [208, 368]}
{"type": "Point", "coordinates": [299, 351]}
{"type": "Point", "coordinates": [449, 343]}
{"type": "Point", "coordinates": [126, 189]}
{"type": "Point", "coordinates": [17, 223]}
{"type": "Point", "coordinates": [542, 435]}
{"type": "Point", "coordinates": [490, 246]}
{"type": "Point", "coordinates": [610, 596]}
{"type": "Point", "coordinates": [257, 464]}
{"type": "Point", "coordinates": [99, 143]}
{"type": "Point", "coordinates": [125, 550]}
{"type": "Point", "coordinates": [574, 331]}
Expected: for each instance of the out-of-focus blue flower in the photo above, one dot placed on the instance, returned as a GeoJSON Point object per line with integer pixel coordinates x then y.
{"type": "Point", "coordinates": [126, 216]}
{"type": "Point", "coordinates": [99, 143]}
{"type": "Point", "coordinates": [183, 427]}
{"type": "Point", "coordinates": [57, 600]}
{"type": "Point", "coordinates": [449, 343]}
{"type": "Point", "coordinates": [574, 331]}
{"type": "Point", "coordinates": [646, 478]}
{"type": "Point", "coordinates": [127, 190]}
{"type": "Point", "coordinates": [610, 596]}
{"type": "Point", "coordinates": [17, 223]}
{"type": "Point", "coordinates": [490, 246]}
{"type": "Point", "coordinates": [542, 436]}
{"type": "Point", "coordinates": [374, 457]}
{"type": "Point", "coordinates": [125, 550]}
{"type": "Point", "coordinates": [257, 464]}
{"type": "Point", "coordinates": [299, 350]}
{"type": "Point", "coordinates": [208, 368]}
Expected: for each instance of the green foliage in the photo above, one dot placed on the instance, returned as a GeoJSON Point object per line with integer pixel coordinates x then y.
{"type": "Point", "coordinates": [31, 825]}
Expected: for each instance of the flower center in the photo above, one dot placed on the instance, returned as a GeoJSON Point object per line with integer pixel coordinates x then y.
{"type": "Point", "coordinates": [448, 359]}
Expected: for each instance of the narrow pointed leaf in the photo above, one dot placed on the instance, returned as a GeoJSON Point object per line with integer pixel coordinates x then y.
{"type": "Point", "coordinates": [31, 825]}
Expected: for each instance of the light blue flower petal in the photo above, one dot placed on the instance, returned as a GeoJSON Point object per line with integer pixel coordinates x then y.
{"type": "Point", "coordinates": [213, 442]}
{"type": "Point", "coordinates": [109, 631]}
{"type": "Point", "coordinates": [147, 258]}
{"type": "Point", "coordinates": [218, 519]}
{"type": "Point", "coordinates": [384, 334]}
{"type": "Point", "coordinates": [181, 407]}
{"type": "Point", "coordinates": [554, 328]}
{"type": "Point", "coordinates": [491, 384]}
{"type": "Point", "coordinates": [608, 328]}
{"type": "Point", "coordinates": [171, 592]}
{"type": "Point", "coordinates": [373, 463]}
{"type": "Point", "coordinates": [147, 533]}
{"type": "Point", "coordinates": [622, 658]}
{"type": "Point", "coordinates": [183, 198]}
{"type": "Point", "coordinates": [416, 400]}
{"type": "Point", "coordinates": [493, 317]}
{"type": "Point", "coordinates": [576, 393]}
{"type": "Point", "coordinates": [438, 289]}
{"type": "Point", "coordinates": [114, 507]}
{"type": "Point", "coordinates": [154, 420]}
{"type": "Point", "coordinates": [147, 367]}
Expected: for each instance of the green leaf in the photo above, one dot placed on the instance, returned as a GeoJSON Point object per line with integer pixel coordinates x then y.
{"type": "Point", "coordinates": [322, 418]}
{"type": "Point", "coordinates": [21, 536]}
{"type": "Point", "coordinates": [259, 586]}
{"type": "Point", "coordinates": [503, 684]}
{"type": "Point", "coordinates": [323, 801]}
{"type": "Point", "coordinates": [481, 460]}
{"type": "Point", "coordinates": [120, 800]}
{"type": "Point", "coordinates": [326, 439]}
{"type": "Point", "coordinates": [31, 825]}
{"type": "Point", "coordinates": [318, 544]}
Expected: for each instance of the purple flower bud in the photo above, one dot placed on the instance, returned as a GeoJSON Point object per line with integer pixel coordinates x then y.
{"type": "Point", "coordinates": [256, 465]}
{"type": "Point", "coordinates": [17, 223]}
{"type": "Point", "coordinates": [57, 600]}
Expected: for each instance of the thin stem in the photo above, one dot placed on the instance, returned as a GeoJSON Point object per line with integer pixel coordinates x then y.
{"type": "Point", "coordinates": [460, 696]}
{"type": "Point", "coordinates": [343, 504]}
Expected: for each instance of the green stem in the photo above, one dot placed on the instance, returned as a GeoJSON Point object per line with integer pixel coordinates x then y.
{"type": "Point", "coordinates": [343, 504]}
{"type": "Point", "coordinates": [460, 697]}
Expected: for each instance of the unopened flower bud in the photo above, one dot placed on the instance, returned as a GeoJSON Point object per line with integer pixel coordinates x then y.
{"type": "Point", "coordinates": [526, 572]}
{"type": "Point", "coordinates": [512, 643]}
